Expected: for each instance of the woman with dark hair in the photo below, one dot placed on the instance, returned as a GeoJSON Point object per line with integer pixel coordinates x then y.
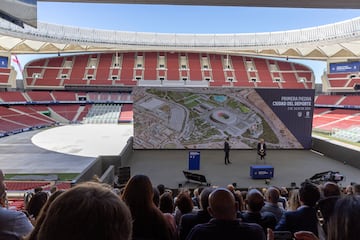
{"type": "Point", "coordinates": [36, 203]}
{"type": "Point", "coordinates": [148, 220]}
{"type": "Point", "coordinates": [88, 211]}
{"type": "Point", "coordinates": [42, 215]}
{"type": "Point", "coordinates": [343, 224]}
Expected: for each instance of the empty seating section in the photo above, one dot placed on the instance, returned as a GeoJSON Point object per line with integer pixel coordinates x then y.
{"type": "Point", "coordinates": [103, 113]}
{"type": "Point", "coordinates": [24, 185]}
{"type": "Point", "coordinates": [84, 111]}
{"type": "Point", "coordinates": [321, 110]}
{"type": "Point", "coordinates": [12, 97]}
{"type": "Point", "coordinates": [67, 111]}
{"type": "Point", "coordinates": [290, 80]}
{"type": "Point", "coordinates": [127, 70]}
{"type": "Point", "coordinates": [172, 65]}
{"type": "Point", "coordinates": [50, 75]}
{"type": "Point", "coordinates": [217, 71]}
{"type": "Point", "coordinates": [150, 66]}
{"type": "Point", "coordinates": [78, 71]}
{"type": "Point", "coordinates": [265, 78]}
{"type": "Point", "coordinates": [328, 100]}
{"type": "Point", "coordinates": [337, 80]}
{"type": "Point", "coordinates": [64, 96]}
{"type": "Point", "coordinates": [8, 126]}
{"type": "Point", "coordinates": [40, 96]}
{"type": "Point", "coordinates": [241, 73]}
{"type": "Point", "coordinates": [4, 75]}
{"type": "Point", "coordinates": [126, 114]}
{"type": "Point", "coordinates": [339, 118]}
{"type": "Point", "coordinates": [194, 66]}
{"type": "Point", "coordinates": [353, 82]}
{"type": "Point", "coordinates": [103, 70]}
{"type": "Point", "coordinates": [350, 101]}
{"type": "Point", "coordinates": [33, 112]}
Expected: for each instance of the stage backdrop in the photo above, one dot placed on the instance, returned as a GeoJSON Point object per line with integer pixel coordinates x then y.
{"type": "Point", "coordinates": [201, 118]}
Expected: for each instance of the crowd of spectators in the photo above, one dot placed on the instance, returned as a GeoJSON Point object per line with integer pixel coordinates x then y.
{"type": "Point", "coordinates": [141, 211]}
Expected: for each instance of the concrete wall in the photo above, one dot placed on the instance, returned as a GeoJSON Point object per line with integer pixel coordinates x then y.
{"type": "Point", "coordinates": [106, 167]}
{"type": "Point", "coordinates": [343, 154]}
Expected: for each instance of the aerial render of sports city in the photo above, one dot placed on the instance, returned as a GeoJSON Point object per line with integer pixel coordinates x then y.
{"type": "Point", "coordinates": [201, 118]}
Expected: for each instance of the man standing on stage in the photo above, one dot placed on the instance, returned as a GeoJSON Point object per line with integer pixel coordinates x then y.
{"type": "Point", "coordinates": [227, 150]}
{"type": "Point", "coordinates": [261, 149]}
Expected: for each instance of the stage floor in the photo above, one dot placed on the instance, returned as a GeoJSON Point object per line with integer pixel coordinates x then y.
{"type": "Point", "coordinates": [166, 167]}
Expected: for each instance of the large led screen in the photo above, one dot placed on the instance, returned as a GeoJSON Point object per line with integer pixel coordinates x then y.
{"type": "Point", "coordinates": [201, 118]}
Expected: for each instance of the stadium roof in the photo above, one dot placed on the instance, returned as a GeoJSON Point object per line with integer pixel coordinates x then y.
{"type": "Point", "coordinates": [336, 41]}
{"type": "Point", "coordinates": [248, 3]}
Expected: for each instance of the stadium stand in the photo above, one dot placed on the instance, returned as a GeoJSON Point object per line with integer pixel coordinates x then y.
{"type": "Point", "coordinates": [170, 68]}
{"type": "Point", "coordinates": [126, 114]}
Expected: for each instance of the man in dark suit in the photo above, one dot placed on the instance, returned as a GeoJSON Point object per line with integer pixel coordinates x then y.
{"type": "Point", "coordinates": [224, 224]}
{"type": "Point", "coordinates": [305, 217]}
{"type": "Point", "coordinates": [261, 149]}
{"type": "Point", "coordinates": [227, 151]}
{"type": "Point", "coordinates": [190, 220]}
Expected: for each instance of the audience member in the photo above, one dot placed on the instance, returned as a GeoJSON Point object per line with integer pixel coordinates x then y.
{"type": "Point", "coordinates": [356, 189]}
{"type": "Point", "coordinates": [13, 224]}
{"type": "Point", "coordinates": [349, 190]}
{"type": "Point", "coordinates": [305, 217]}
{"type": "Point", "coordinates": [255, 202]}
{"type": "Point", "coordinates": [148, 220]}
{"type": "Point", "coordinates": [161, 189]}
{"type": "Point", "coordinates": [34, 234]}
{"type": "Point", "coordinates": [331, 194]}
{"type": "Point", "coordinates": [183, 205]}
{"type": "Point", "coordinates": [156, 197]}
{"type": "Point", "coordinates": [189, 220]}
{"type": "Point", "coordinates": [37, 201]}
{"type": "Point", "coordinates": [87, 211]}
{"type": "Point", "coordinates": [272, 196]}
{"type": "Point", "coordinates": [343, 224]}
{"type": "Point", "coordinates": [167, 207]}
{"type": "Point", "coordinates": [196, 197]}
{"type": "Point", "coordinates": [225, 225]}
{"type": "Point", "coordinates": [294, 200]}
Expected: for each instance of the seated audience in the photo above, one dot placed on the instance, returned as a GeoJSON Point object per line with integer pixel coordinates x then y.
{"type": "Point", "coordinates": [189, 220]}
{"type": "Point", "coordinates": [305, 217]}
{"type": "Point", "coordinates": [148, 221]}
{"type": "Point", "coordinates": [343, 224]}
{"type": "Point", "coordinates": [294, 200]}
{"type": "Point", "coordinates": [37, 201]}
{"type": "Point", "coordinates": [13, 224]}
{"type": "Point", "coordinates": [183, 205]}
{"type": "Point", "coordinates": [225, 225]}
{"type": "Point", "coordinates": [255, 202]}
{"type": "Point", "coordinates": [272, 196]}
{"type": "Point", "coordinates": [331, 194]}
{"type": "Point", "coordinates": [88, 211]}
{"type": "Point", "coordinates": [42, 215]}
{"type": "Point", "coordinates": [166, 206]}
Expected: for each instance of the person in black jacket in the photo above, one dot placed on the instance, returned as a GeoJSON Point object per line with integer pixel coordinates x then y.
{"type": "Point", "coordinates": [261, 149]}
{"type": "Point", "coordinates": [227, 151]}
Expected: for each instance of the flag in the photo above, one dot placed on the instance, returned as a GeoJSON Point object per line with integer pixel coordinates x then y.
{"type": "Point", "coordinates": [16, 60]}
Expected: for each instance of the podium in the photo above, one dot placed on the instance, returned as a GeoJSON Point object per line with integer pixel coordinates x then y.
{"type": "Point", "coordinates": [261, 171]}
{"type": "Point", "coordinates": [194, 160]}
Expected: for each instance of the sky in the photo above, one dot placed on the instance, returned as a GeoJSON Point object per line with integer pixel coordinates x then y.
{"type": "Point", "coordinates": [188, 19]}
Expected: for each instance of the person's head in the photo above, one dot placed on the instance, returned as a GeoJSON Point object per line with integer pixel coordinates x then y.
{"type": "Point", "coordinates": [230, 187]}
{"type": "Point", "coordinates": [138, 193]}
{"type": "Point", "coordinates": [272, 195]}
{"type": "Point", "coordinates": [344, 222]}
{"type": "Point", "coordinates": [38, 189]}
{"type": "Point", "coordinates": [166, 204]}
{"type": "Point", "coordinates": [309, 194]}
{"type": "Point", "coordinates": [36, 203]}
{"type": "Point", "coordinates": [294, 199]}
{"type": "Point", "coordinates": [184, 203]}
{"type": "Point", "coordinates": [222, 204]}
{"type": "Point", "coordinates": [262, 140]}
{"type": "Point", "coordinates": [53, 189]}
{"type": "Point", "coordinates": [41, 217]}
{"type": "Point", "coordinates": [161, 188]}
{"type": "Point", "coordinates": [331, 189]}
{"type": "Point", "coordinates": [87, 211]}
{"type": "Point", "coordinates": [254, 200]}
{"type": "Point", "coordinates": [356, 189]}
{"type": "Point", "coordinates": [204, 198]}
{"type": "Point", "coordinates": [349, 190]}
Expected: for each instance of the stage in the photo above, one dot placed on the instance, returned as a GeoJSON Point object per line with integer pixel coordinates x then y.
{"type": "Point", "coordinates": [166, 166]}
